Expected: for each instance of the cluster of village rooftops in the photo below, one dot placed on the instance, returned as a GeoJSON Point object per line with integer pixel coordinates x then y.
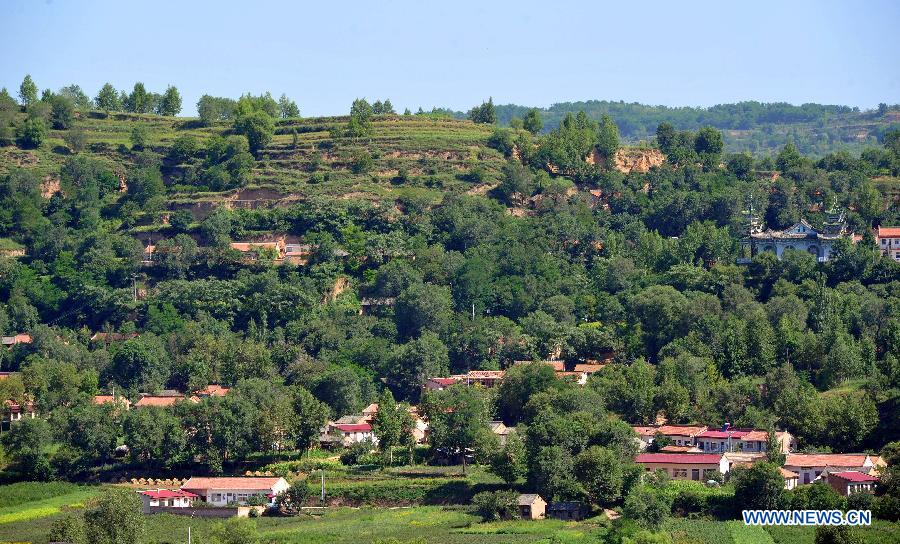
{"type": "Point", "coordinates": [691, 452]}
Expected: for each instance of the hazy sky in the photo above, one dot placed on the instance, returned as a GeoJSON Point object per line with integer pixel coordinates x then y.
{"type": "Point", "coordinates": [456, 53]}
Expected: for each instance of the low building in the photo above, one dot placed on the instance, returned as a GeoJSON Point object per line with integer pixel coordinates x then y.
{"type": "Point", "coordinates": [685, 466]}
{"type": "Point", "coordinates": [297, 253]}
{"type": "Point", "coordinates": [484, 378]}
{"type": "Point", "coordinates": [848, 482]}
{"type": "Point", "coordinates": [531, 506]}
{"type": "Point", "coordinates": [21, 338]}
{"type": "Point", "coordinates": [226, 491]}
{"type": "Point", "coordinates": [645, 435]}
{"type": "Point", "coordinates": [370, 305]}
{"type": "Point", "coordinates": [162, 400]}
{"type": "Point", "coordinates": [681, 435]}
{"type": "Point", "coordinates": [439, 384]}
{"type": "Point", "coordinates": [501, 430]}
{"type": "Point", "coordinates": [167, 498]}
{"type": "Point", "coordinates": [791, 479]}
{"type": "Point", "coordinates": [112, 399]}
{"type": "Point", "coordinates": [212, 390]}
{"type": "Point", "coordinates": [888, 241]}
{"type": "Point", "coordinates": [680, 449]}
{"type": "Point", "coordinates": [347, 434]}
{"type": "Point", "coordinates": [811, 465]}
{"type": "Point", "coordinates": [16, 411]}
{"type": "Point", "coordinates": [728, 439]}
{"type": "Point", "coordinates": [260, 251]}
{"type": "Point", "coordinates": [566, 511]}
{"type": "Point", "coordinates": [799, 237]}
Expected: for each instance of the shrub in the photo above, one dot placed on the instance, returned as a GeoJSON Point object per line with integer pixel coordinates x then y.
{"type": "Point", "coordinates": [183, 149]}
{"type": "Point", "coordinates": [494, 505]}
{"type": "Point", "coordinates": [362, 162]}
{"type": "Point", "coordinates": [76, 139]}
{"type": "Point", "coordinates": [138, 137]}
{"type": "Point", "coordinates": [353, 454]}
{"type": "Point", "coordinates": [647, 506]}
{"type": "Point", "coordinates": [31, 133]}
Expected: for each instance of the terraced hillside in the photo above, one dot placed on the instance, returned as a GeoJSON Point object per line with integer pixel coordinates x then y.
{"type": "Point", "coordinates": [426, 152]}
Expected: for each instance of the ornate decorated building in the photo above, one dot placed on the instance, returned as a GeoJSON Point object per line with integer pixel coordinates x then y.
{"type": "Point", "coordinates": [800, 237]}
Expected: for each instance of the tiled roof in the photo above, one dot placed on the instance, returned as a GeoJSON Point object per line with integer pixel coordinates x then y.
{"type": "Point", "coordinates": [528, 499]}
{"type": "Point", "coordinates": [681, 430]}
{"type": "Point", "coordinates": [889, 232]}
{"type": "Point", "coordinates": [444, 381]}
{"type": "Point", "coordinates": [854, 476]}
{"type": "Point", "coordinates": [589, 368]}
{"type": "Point", "coordinates": [167, 494]}
{"type": "Point", "coordinates": [645, 430]}
{"type": "Point", "coordinates": [787, 474]}
{"type": "Point", "coordinates": [757, 436]}
{"type": "Point", "coordinates": [104, 399]}
{"type": "Point", "coordinates": [825, 460]}
{"type": "Point", "coordinates": [157, 401]}
{"type": "Point", "coordinates": [680, 458]}
{"type": "Point", "coordinates": [261, 484]}
{"type": "Point", "coordinates": [213, 390]}
{"type": "Point", "coordinates": [353, 427]}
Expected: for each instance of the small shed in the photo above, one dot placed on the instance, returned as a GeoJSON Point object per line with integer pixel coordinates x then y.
{"type": "Point", "coordinates": [531, 506]}
{"type": "Point", "coordinates": [566, 511]}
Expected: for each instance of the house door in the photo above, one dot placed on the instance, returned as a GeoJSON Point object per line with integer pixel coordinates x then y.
{"type": "Point", "coordinates": [695, 474]}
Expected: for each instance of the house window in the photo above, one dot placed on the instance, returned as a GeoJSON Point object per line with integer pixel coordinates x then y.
{"type": "Point", "coordinates": [695, 474]}
{"type": "Point", "coordinates": [679, 473]}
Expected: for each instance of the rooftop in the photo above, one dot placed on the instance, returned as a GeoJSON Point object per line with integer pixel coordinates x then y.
{"type": "Point", "coordinates": [826, 460]}
{"type": "Point", "coordinates": [261, 484]}
{"type": "Point", "coordinates": [680, 458]}
{"type": "Point", "coordinates": [854, 476]}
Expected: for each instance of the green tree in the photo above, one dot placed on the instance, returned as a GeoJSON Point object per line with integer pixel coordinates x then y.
{"type": "Point", "coordinates": [422, 308]}
{"type": "Point", "coordinates": [485, 113]}
{"type": "Point", "coordinates": [607, 138]}
{"type": "Point", "coordinates": [361, 113]}
{"type": "Point", "coordinates": [533, 122]}
{"type": "Point", "coordinates": [391, 423]}
{"type": "Point", "coordinates": [837, 534]}
{"type": "Point", "coordinates": [31, 133]}
{"type": "Point", "coordinates": [600, 471]}
{"type": "Point", "coordinates": [139, 100]}
{"type": "Point", "coordinates": [288, 107]}
{"type": "Point", "coordinates": [311, 416]}
{"type": "Point", "coordinates": [458, 419]}
{"type": "Point", "coordinates": [69, 529]}
{"type": "Point", "coordinates": [648, 506]}
{"type": "Point", "coordinates": [27, 444]}
{"type": "Point", "coordinates": [28, 91]}
{"type": "Point", "coordinates": [62, 112]}
{"type": "Point", "coordinates": [552, 474]}
{"type": "Point", "coordinates": [496, 505]}
{"type": "Point", "coordinates": [292, 499]}
{"type": "Point", "coordinates": [416, 361]}
{"type": "Point", "coordinates": [76, 139]}
{"type": "Point", "coordinates": [117, 518]}
{"type": "Point", "coordinates": [140, 363]}
{"type": "Point", "coordinates": [709, 145]}
{"type": "Point", "coordinates": [788, 158]}
{"type": "Point", "coordinates": [170, 102]}
{"type": "Point", "coordinates": [107, 99]}
{"type": "Point", "coordinates": [760, 487]}
{"type": "Point", "coordinates": [666, 137]}
{"type": "Point", "coordinates": [139, 135]}
{"type": "Point", "coordinates": [510, 462]}
{"type": "Point", "coordinates": [258, 127]}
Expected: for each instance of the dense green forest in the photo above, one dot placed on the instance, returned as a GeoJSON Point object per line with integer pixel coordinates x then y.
{"type": "Point", "coordinates": [486, 260]}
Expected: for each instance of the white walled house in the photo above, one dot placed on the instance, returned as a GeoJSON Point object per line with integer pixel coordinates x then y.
{"type": "Point", "coordinates": [225, 491]}
{"type": "Point", "coordinates": [348, 434]}
{"type": "Point", "coordinates": [809, 466]}
{"type": "Point", "coordinates": [155, 498]}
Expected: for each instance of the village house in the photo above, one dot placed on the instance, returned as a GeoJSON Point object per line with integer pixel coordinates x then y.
{"type": "Point", "coordinates": [728, 439]}
{"type": "Point", "coordinates": [685, 466]}
{"type": "Point", "coordinates": [484, 378]}
{"type": "Point", "coordinates": [565, 510]}
{"type": "Point", "coordinates": [848, 482]}
{"type": "Point", "coordinates": [212, 390]}
{"type": "Point", "coordinates": [645, 435]}
{"type": "Point", "coordinates": [112, 399]}
{"type": "Point", "coordinates": [888, 241]}
{"type": "Point", "coordinates": [297, 253]}
{"type": "Point", "coordinates": [14, 411]}
{"type": "Point", "coordinates": [21, 338]}
{"type": "Point", "coordinates": [681, 435]}
{"type": "Point", "coordinates": [501, 430]}
{"type": "Point", "coordinates": [439, 384]}
{"type": "Point", "coordinates": [227, 491]}
{"type": "Point", "coordinates": [156, 498]}
{"type": "Point", "coordinates": [791, 479]}
{"type": "Point", "coordinates": [420, 426]}
{"type": "Point", "coordinates": [531, 506]}
{"type": "Point", "coordinates": [347, 434]}
{"type": "Point", "coordinates": [811, 465]}
{"type": "Point", "coordinates": [164, 399]}
{"type": "Point", "coordinates": [256, 251]}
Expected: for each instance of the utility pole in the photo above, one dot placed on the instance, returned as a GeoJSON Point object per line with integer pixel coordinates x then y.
{"type": "Point", "coordinates": [323, 487]}
{"type": "Point", "coordinates": [189, 534]}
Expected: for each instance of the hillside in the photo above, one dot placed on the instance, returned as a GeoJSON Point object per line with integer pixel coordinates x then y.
{"type": "Point", "coordinates": [759, 128]}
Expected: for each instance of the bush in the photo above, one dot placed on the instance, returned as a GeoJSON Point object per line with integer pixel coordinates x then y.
{"type": "Point", "coordinates": [183, 149]}
{"type": "Point", "coordinates": [353, 454]}
{"type": "Point", "coordinates": [647, 506]}
{"type": "Point", "coordinates": [31, 133]}
{"type": "Point", "coordinates": [138, 137]}
{"type": "Point", "coordinates": [76, 139]}
{"type": "Point", "coordinates": [362, 162]}
{"type": "Point", "coordinates": [494, 505]}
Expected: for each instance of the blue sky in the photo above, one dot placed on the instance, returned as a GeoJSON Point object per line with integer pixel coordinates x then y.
{"type": "Point", "coordinates": [454, 54]}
